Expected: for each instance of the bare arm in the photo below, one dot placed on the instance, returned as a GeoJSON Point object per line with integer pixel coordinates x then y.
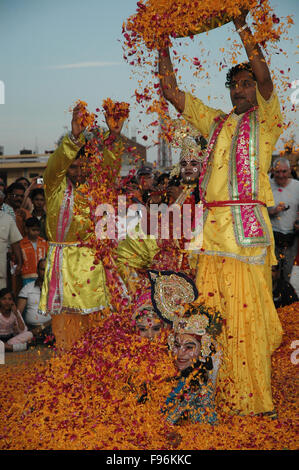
{"type": "Point", "coordinates": [16, 249]}
{"type": "Point", "coordinates": [21, 304]}
{"type": "Point", "coordinates": [255, 57]}
{"type": "Point", "coordinates": [27, 204]}
{"type": "Point", "coordinates": [64, 155]}
{"type": "Point", "coordinates": [274, 211]}
{"type": "Point", "coordinates": [20, 321]}
{"type": "Point", "coordinates": [168, 81]}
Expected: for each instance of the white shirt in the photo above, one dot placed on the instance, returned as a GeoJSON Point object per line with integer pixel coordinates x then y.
{"type": "Point", "coordinates": [289, 194]}
{"type": "Point", "coordinates": [9, 234]}
{"type": "Point", "coordinates": [31, 292]}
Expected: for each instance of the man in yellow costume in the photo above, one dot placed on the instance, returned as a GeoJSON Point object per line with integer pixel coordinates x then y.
{"type": "Point", "coordinates": [74, 289]}
{"type": "Point", "coordinates": [234, 263]}
{"type": "Point", "coordinates": [135, 255]}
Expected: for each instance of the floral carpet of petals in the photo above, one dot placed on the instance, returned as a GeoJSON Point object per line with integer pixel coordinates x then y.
{"type": "Point", "coordinates": [87, 398]}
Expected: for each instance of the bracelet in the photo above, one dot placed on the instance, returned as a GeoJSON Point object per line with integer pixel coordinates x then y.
{"type": "Point", "coordinates": [242, 28]}
{"type": "Point", "coordinates": [74, 140]}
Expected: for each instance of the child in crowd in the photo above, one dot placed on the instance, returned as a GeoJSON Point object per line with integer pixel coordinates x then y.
{"type": "Point", "coordinates": [33, 249]}
{"type": "Point", "coordinates": [13, 331]}
{"type": "Point", "coordinates": [37, 197]}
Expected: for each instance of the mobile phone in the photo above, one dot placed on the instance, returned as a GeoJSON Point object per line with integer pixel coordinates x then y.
{"type": "Point", "coordinates": [40, 181]}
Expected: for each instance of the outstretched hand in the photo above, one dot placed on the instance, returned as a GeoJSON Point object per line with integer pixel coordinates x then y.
{"type": "Point", "coordinates": [77, 126]}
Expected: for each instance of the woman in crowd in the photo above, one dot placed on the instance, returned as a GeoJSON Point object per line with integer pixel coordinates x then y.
{"type": "Point", "coordinates": [13, 331]}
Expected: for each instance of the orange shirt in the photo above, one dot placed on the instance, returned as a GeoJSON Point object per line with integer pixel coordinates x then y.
{"type": "Point", "coordinates": [31, 256]}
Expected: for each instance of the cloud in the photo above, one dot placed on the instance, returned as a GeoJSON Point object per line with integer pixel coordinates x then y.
{"type": "Point", "coordinates": [81, 65]}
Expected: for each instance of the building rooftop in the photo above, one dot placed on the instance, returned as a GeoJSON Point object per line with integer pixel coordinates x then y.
{"type": "Point", "coordinates": [10, 164]}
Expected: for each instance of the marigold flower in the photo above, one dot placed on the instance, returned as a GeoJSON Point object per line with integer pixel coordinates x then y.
{"type": "Point", "coordinates": [87, 398]}
{"type": "Point", "coordinates": [116, 111]}
{"type": "Point", "coordinates": [86, 118]}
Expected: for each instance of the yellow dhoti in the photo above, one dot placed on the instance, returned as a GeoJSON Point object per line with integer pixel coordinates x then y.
{"type": "Point", "coordinates": [83, 295]}
{"type": "Point", "coordinates": [234, 270]}
{"type": "Point", "coordinates": [81, 284]}
{"type": "Point", "coordinates": [252, 330]}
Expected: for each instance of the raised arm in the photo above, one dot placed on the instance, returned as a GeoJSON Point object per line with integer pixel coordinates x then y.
{"type": "Point", "coordinates": [113, 148]}
{"type": "Point", "coordinates": [168, 81]}
{"type": "Point", "coordinates": [27, 204]}
{"type": "Point", "coordinates": [193, 109]}
{"type": "Point", "coordinates": [65, 154]}
{"type": "Point", "coordinates": [255, 57]}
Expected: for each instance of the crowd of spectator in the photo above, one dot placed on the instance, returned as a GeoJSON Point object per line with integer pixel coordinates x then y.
{"type": "Point", "coordinates": [23, 245]}
{"type": "Point", "coordinates": [23, 251]}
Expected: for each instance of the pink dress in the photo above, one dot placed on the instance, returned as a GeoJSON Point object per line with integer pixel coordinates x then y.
{"type": "Point", "coordinates": [9, 326]}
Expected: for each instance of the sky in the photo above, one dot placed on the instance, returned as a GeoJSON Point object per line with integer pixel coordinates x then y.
{"type": "Point", "coordinates": [53, 53]}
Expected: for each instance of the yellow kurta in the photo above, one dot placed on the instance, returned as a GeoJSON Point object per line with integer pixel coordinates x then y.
{"type": "Point", "coordinates": [82, 285]}
{"type": "Point", "coordinates": [236, 279]}
{"type": "Point", "coordinates": [133, 256]}
{"type": "Point", "coordinates": [136, 255]}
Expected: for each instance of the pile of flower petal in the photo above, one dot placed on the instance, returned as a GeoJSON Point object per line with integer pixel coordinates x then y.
{"type": "Point", "coordinates": [161, 23]}
{"type": "Point", "coordinates": [116, 111]}
{"type": "Point", "coordinates": [88, 398]}
{"type": "Point", "coordinates": [86, 118]}
{"type": "Point", "coordinates": [157, 21]}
